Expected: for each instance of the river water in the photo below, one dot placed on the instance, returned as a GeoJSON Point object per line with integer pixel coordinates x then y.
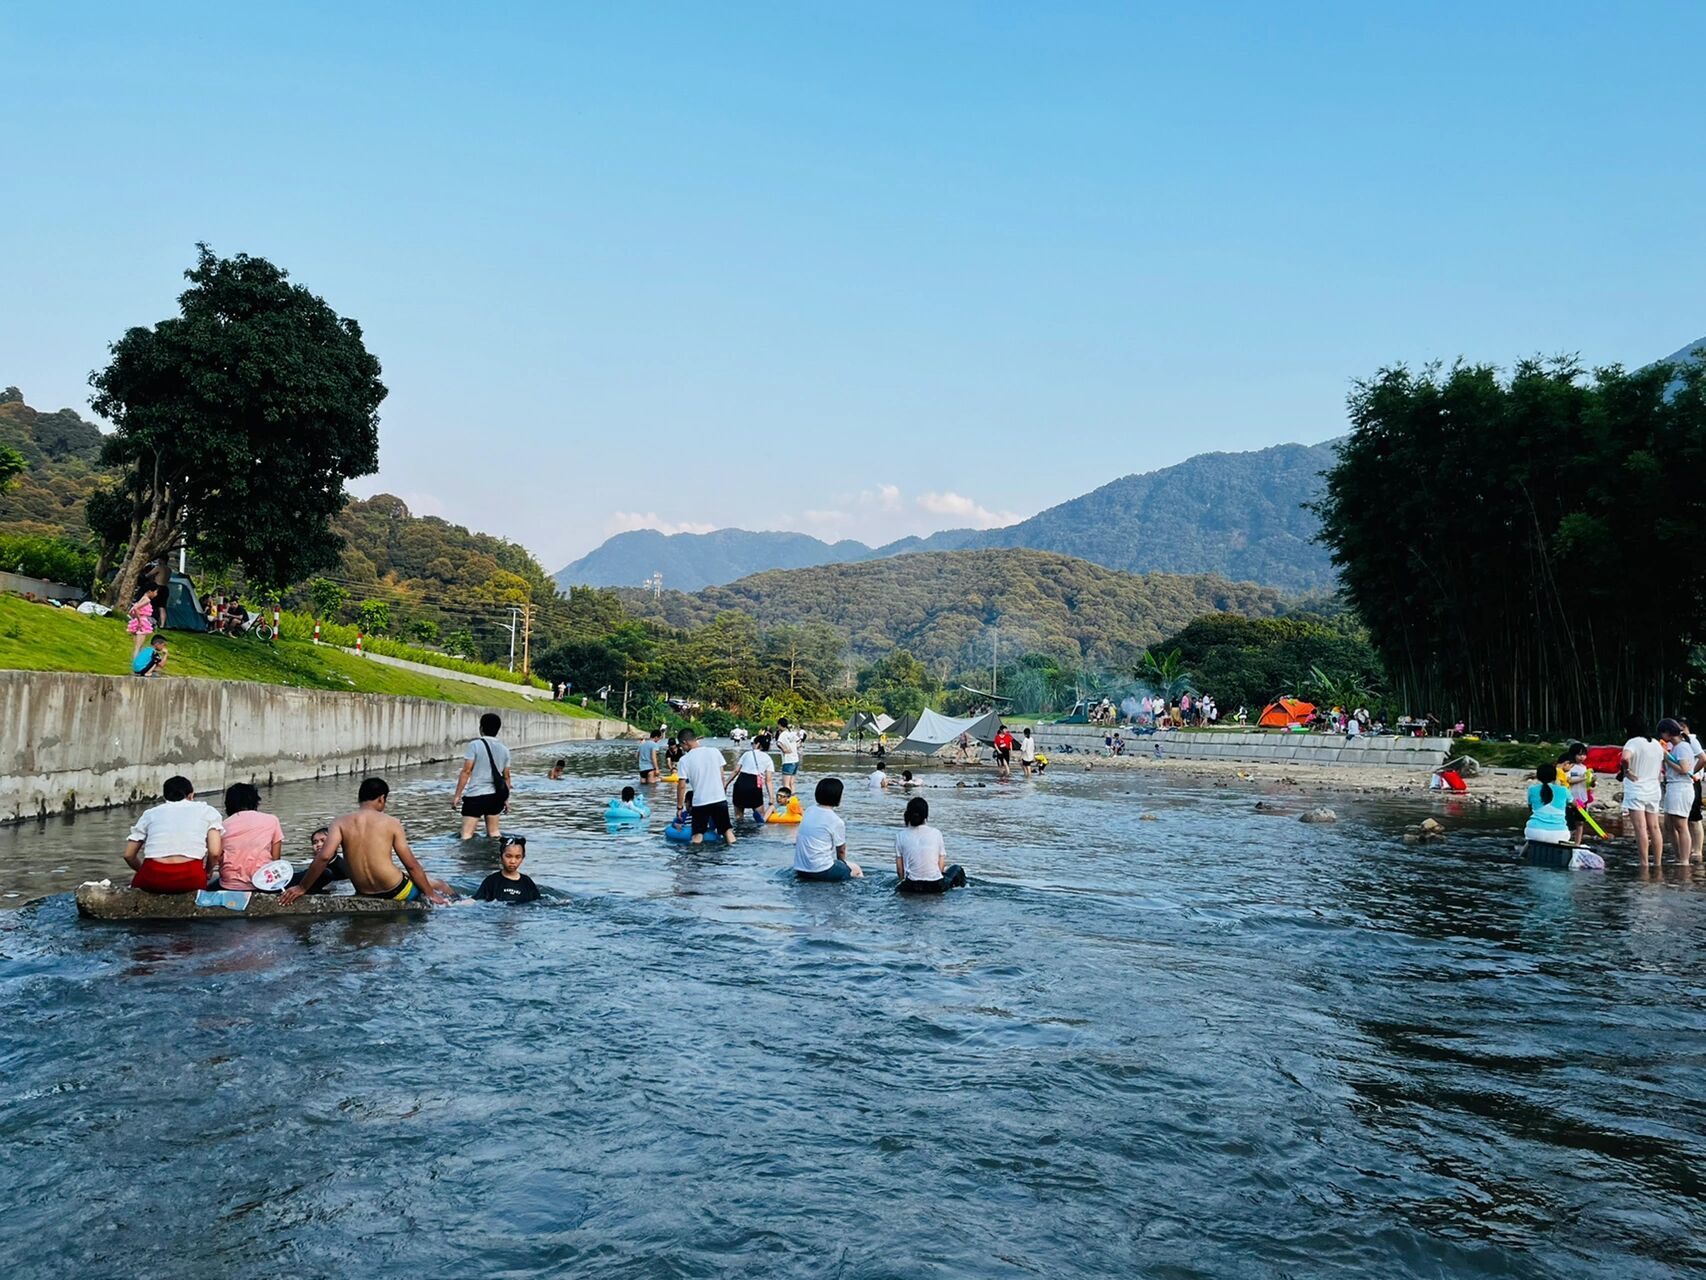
{"type": "Point", "coordinates": [1160, 1035]}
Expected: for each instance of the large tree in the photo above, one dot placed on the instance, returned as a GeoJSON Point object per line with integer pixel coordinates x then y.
{"type": "Point", "coordinates": [1525, 550]}
{"type": "Point", "coordinates": [238, 421]}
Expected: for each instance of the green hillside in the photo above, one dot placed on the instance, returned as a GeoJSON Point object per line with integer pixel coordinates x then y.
{"type": "Point", "coordinates": [948, 607]}
{"type": "Point", "coordinates": [36, 637]}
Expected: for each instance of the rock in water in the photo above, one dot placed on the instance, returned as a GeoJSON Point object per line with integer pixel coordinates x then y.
{"type": "Point", "coordinates": [1319, 815]}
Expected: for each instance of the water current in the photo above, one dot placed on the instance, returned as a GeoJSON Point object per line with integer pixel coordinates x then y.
{"type": "Point", "coordinates": [1159, 1035]}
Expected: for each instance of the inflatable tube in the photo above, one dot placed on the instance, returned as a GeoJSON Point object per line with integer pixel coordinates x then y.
{"type": "Point", "coordinates": [622, 811]}
{"type": "Point", "coordinates": [783, 816]}
{"type": "Point", "coordinates": [682, 833]}
{"type": "Point", "coordinates": [674, 777]}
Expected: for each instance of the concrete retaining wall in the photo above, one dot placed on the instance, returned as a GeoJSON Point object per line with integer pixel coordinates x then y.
{"type": "Point", "coordinates": [18, 583]}
{"type": "Point", "coordinates": [1425, 754]}
{"type": "Point", "coordinates": [71, 742]}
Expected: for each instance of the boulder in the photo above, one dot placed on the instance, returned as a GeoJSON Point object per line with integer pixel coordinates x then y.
{"type": "Point", "coordinates": [1319, 815]}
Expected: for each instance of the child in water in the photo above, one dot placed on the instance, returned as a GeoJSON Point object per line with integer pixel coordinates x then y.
{"type": "Point", "coordinates": [508, 884]}
{"type": "Point", "coordinates": [631, 805]}
{"type": "Point", "coordinates": [787, 806]}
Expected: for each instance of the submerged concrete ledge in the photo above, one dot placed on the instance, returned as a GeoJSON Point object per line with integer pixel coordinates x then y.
{"type": "Point", "coordinates": [71, 742]}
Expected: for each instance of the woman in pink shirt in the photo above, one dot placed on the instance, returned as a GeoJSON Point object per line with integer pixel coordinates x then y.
{"type": "Point", "coordinates": [252, 838]}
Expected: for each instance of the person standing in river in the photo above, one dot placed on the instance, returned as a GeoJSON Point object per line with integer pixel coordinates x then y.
{"type": "Point", "coordinates": [483, 788]}
{"type": "Point", "coordinates": [1643, 794]}
{"type": "Point", "coordinates": [702, 775]}
{"type": "Point", "coordinates": [368, 839]}
{"type": "Point", "coordinates": [649, 750]}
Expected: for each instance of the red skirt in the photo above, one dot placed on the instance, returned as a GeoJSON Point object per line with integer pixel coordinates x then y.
{"type": "Point", "coordinates": [170, 877]}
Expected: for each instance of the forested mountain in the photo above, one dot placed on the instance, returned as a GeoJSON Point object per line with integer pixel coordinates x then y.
{"type": "Point", "coordinates": [1238, 515]}
{"type": "Point", "coordinates": [689, 561]}
{"type": "Point", "coordinates": [61, 452]}
{"type": "Point", "coordinates": [947, 607]}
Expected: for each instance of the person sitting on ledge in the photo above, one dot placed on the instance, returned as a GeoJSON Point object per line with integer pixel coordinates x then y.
{"type": "Point", "coordinates": [1549, 808]}
{"type": "Point", "coordinates": [920, 857]}
{"type": "Point", "coordinates": [368, 838]}
{"type": "Point", "coordinates": [176, 846]}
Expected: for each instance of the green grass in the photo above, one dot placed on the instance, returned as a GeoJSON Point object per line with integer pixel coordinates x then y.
{"type": "Point", "coordinates": [1509, 755]}
{"type": "Point", "coordinates": [36, 637]}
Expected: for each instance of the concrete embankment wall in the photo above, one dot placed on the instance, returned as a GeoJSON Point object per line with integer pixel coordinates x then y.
{"type": "Point", "coordinates": [1425, 754]}
{"type": "Point", "coordinates": [71, 742]}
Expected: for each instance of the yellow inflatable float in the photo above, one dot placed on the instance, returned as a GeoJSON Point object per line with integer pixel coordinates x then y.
{"type": "Point", "coordinates": [792, 814]}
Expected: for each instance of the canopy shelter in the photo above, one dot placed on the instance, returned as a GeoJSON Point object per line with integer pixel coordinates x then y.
{"type": "Point", "coordinates": [863, 722]}
{"type": "Point", "coordinates": [1285, 712]}
{"type": "Point", "coordinates": [183, 608]}
{"type": "Point", "coordinates": [932, 731]}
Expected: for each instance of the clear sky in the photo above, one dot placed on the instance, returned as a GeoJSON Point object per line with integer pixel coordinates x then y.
{"type": "Point", "coordinates": [861, 270]}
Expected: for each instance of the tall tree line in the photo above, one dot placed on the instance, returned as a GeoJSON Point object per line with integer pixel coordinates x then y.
{"type": "Point", "coordinates": [1528, 552]}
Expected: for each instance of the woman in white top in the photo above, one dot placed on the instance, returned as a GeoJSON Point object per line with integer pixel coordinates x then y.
{"type": "Point", "coordinates": [755, 775]}
{"type": "Point", "coordinates": [920, 857]}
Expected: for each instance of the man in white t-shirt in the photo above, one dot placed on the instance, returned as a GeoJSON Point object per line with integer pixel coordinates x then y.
{"type": "Point", "coordinates": [175, 847]}
{"type": "Point", "coordinates": [1027, 752]}
{"type": "Point", "coordinates": [1643, 794]}
{"type": "Point", "coordinates": [820, 845]}
{"type": "Point", "coordinates": [788, 741]}
{"type": "Point", "coordinates": [1679, 766]}
{"type": "Point", "coordinates": [878, 780]}
{"type": "Point", "coordinates": [702, 776]}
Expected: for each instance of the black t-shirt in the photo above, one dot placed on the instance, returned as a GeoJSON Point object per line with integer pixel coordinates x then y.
{"type": "Point", "coordinates": [497, 888]}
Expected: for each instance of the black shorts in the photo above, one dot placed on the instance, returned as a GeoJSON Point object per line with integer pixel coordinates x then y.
{"type": "Point", "coordinates": [711, 817]}
{"type": "Point", "coordinates": [1005, 756]}
{"type": "Point", "coordinates": [749, 792]}
{"type": "Point", "coordinates": [485, 806]}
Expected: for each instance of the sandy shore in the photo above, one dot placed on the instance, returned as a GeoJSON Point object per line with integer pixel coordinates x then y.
{"type": "Point", "coordinates": [1493, 787]}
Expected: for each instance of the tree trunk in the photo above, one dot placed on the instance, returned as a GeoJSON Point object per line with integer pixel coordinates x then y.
{"type": "Point", "coordinates": [152, 534]}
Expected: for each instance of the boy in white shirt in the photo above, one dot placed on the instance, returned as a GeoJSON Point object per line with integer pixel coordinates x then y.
{"type": "Point", "coordinates": [820, 845]}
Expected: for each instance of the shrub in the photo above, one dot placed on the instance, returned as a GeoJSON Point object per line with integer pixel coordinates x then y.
{"type": "Point", "coordinates": [51, 558]}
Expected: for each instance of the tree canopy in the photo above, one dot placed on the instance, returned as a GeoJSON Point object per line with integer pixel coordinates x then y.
{"type": "Point", "coordinates": [238, 420]}
{"type": "Point", "coordinates": [1525, 550]}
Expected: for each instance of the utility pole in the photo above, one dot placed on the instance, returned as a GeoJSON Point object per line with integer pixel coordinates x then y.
{"type": "Point", "coordinates": [994, 649]}
{"type": "Point", "coordinates": [526, 633]}
{"type": "Point", "coordinates": [514, 615]}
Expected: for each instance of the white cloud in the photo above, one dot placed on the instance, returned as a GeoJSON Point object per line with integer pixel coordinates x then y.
{"type": "Point", "coordinates": [625, 521]}
{"type": "Point", "coordinates": [960, 508]}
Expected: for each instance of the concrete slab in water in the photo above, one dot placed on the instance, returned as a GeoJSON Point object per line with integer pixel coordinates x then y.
{"type": "Point", "coordinates": [99, 900]}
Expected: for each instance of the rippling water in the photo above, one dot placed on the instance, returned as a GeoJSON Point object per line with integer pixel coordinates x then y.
{"type": "Point", "coordinates": [1213, 1044]}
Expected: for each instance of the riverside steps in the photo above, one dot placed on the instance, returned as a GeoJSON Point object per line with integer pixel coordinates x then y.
{"type": "Point", "coordinates": [71, 742]}
{"type": "Point", "coordinates": [1250, 747]}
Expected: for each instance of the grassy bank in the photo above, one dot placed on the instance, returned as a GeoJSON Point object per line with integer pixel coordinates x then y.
{"type": "Point", "coordinates": [36, 637]}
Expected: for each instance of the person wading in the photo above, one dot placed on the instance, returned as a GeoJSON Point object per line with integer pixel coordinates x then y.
{"type": "Point", "coordinates": [483, 789]}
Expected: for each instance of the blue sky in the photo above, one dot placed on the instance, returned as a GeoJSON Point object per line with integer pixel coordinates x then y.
{"type": "Point", "coordinates": [972, 260]}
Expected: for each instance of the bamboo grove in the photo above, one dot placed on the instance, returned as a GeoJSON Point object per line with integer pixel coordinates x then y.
{"type": "Point", "coordinates": [1528, 552]}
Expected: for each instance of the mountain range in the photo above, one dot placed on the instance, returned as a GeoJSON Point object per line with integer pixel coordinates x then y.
{"type": "Point", "coordinates": [1240, 516]}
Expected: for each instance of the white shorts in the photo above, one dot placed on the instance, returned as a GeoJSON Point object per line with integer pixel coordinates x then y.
{"type": "Point", "coordinates": [1632, 805]}
{"type": "Point", "coordinates": [1679, 801]}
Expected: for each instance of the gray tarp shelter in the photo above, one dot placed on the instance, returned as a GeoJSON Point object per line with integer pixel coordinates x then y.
{"type": "Point", "coordinates": [867, 722]}
{"type": "Point", "coordinates": [932, 731]}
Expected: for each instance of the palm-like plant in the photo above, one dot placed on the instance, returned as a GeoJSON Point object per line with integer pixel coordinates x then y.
{"type": "Point", "coordinates": [1165, 672]}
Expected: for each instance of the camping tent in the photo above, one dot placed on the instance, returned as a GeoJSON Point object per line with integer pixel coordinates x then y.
{"type": "Point", "coordinates": [932, 732]}
{"type": "Point", "coordinates": [183, 608]}
{"type": "Point", "coordinates": [1286, 712]}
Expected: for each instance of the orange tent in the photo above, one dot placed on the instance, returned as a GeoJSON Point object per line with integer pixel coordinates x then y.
{"type": "Point", "coordinates": [1286, 712]}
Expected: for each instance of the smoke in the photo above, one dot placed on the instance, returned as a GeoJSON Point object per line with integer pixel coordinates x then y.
{"type": "Point", "coordinates": [1129, 708]}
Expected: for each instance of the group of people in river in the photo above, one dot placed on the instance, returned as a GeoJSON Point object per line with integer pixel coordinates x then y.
{"type": "Point", "coordinates": [1662, 773]}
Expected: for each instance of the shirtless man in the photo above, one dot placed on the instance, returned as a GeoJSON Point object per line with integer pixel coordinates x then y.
{"type": "Point", "coordinates": [368, 838]}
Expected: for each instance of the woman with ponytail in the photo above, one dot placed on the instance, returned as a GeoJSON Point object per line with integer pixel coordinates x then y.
{"type": "Point", "coordinates": [1548, 808]}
